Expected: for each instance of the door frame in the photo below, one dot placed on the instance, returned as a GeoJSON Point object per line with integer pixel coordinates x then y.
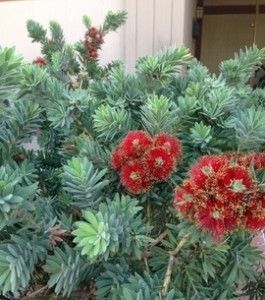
{"type": "Point", "coordinates": [202, 10]}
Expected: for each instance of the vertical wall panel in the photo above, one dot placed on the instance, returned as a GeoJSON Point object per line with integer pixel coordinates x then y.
{"type": "Point", "coordinates": [145, 24]}
{"type": "Point", "coordinates": [114, 40]}
{"type": "Point", "coordinates": [151, 25]}
{"type": "Point", "coordinates": [162, 24]}
{"type": "Point", "coordinates": [189, 15]}
{"type": "Point", "coordinates": [178, 21]}
{"type": "Point", "coordinates": [14, 14]}
{"type": "Point", "coordinates": [130, 34]}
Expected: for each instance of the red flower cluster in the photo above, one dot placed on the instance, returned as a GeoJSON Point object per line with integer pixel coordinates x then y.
{"type": "Point", "coordinates": [93, 41]}
{"type": "Point", "coordinates": [40, 61]}
{"type": "Point", "coordinates": [143, 160]}
{"type": "Point", "coordinates": [221, 194]}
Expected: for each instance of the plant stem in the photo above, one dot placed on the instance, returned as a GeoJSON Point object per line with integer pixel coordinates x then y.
{"type": "Point", "coordinates": [170, 265]}
{"type": "Point", "coordinates": [148, 211]}
{"type": "Point", "coordinates": [146, 264]}
{"type": "Point", "coordinates": [159, 239]}
{"type": "Point", "coordinates": [35, 293]}
{"type": "Point", "coordinates": [146, 254]}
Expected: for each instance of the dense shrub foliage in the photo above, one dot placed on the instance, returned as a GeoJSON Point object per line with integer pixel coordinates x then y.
{"type": "Point", "coordinates": [93, 203]}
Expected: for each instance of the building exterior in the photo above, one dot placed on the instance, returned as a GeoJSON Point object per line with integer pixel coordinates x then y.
{"type": "Point", "coordinates": [152, 24]}
{"type": "Point", "coordinates": [226, 27]}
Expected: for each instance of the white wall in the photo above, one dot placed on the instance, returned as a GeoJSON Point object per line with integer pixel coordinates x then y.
{"type": "Point", "coordinates": [155, 24]}
{"type": "Point", "coordinates": [14, 14]}
{"type": "Point", "coordinates": [190, 11]}
{"type": "Point", "coordinates": [152, 24]}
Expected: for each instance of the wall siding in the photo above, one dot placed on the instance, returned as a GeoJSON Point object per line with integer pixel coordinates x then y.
{"type": "Point", "coordinates": [14, 14]}
{"type": "Point", "coordinates": [155, 24]}
{"type": "Point", "coordinates": [152, 25]}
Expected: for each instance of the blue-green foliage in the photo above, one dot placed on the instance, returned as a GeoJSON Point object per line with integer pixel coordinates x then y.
{"type": "Point", "coordinates": [63, 211]}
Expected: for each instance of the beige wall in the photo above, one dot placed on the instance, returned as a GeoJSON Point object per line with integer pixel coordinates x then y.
{"type": "Point", "coordinates": [190, 10]}
{"type": "Point", "coordinates": [155, 24]}
{"type": "Point", "coordinates": [14, 14]}
{"type": "Point", "coordinates": [152, 24]}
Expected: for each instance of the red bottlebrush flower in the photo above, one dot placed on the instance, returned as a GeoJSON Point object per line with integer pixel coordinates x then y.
{"type": "Point", "coordinates": [134, 177]}
{"type": "Point", "coordinates": [217, 220]}
{"type": "Point", "coordinates": [231, 155]}
{"type": "Point", "coordinates": [205, 167]}
{"type": "Point", "coordinates": [239, 159]}
{"type": "Point", "coordinates": [259, 160]}
{"type": "Point", "coordinates": [238, 179]}
{"type": "Point", "coordinates": [183, 201]}
{"type": "Point", "coordinates": [238, 183]}
{"type": "Point", "coordinates": [40, 61]}
{"type": "Point", "coordinates": [93, 54]}
{"type": "Point", "coordinates": [135, 143]}
{"type": "Point", "coordinates": [93, 41]}
{"type": "Point", "coordinates": [117, 158]}
{"type": "Point", "coordinates": [246, 160]}
{"type": "Point", "coordinates": [211, 163]}
{"type": "Point", "coordinates": [222, 195]}
{"type": "Point", "coordinates": [254, 222]}
{"type": "Point", "coordinates": [160, 163]}
{"type": "Point", "coordinates": [255, 213]}
{"type": "Point", "coordinates": [255, 159]}
{"type": "Point", "coordinates": [169, 142]}
{"type": "Point", "coordinates": [91, 32]}
{"type": "Point", "coordinates": [99, 37]}
{"type": "Point", "coordinates": [140, 163]}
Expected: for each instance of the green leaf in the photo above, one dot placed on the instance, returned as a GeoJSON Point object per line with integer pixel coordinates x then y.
{"type": "Point", "coordinates": [66, 270]}
{"type": "Point", "coordinates": [111, 123]}
{"type": "Point", "coordinates": [242, 67]}
{"type": "Point", "coordinates": [164, 66]}
{"type": "Point", "coordinates": [159, 115]}
{"type": "Point", "coordinates": [83, 182]}
{"type": "Point", "coordinates": [114, 20]}
{"type": "Point", "coordinates": [36, 31]}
